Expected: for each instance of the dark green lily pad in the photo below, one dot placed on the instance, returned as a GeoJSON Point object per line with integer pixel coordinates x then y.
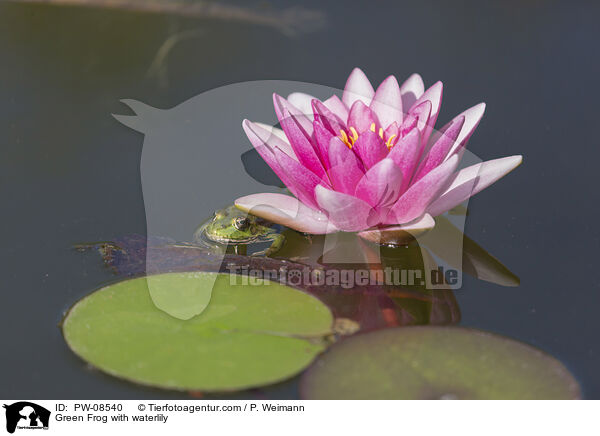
{"type": "Point", "coordinates": [247, 336]}
{"type": "Point", "coordinates": [429, 362]}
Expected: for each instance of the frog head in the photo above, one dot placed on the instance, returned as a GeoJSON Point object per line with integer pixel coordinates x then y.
{"type": "Point", "coordinates": [231, 225]}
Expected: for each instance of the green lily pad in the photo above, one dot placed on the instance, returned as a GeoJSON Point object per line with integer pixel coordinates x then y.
{"type": "Point", "coordinates": [429, 362]}
{"type": "Point", "coordinates": [247, 336]}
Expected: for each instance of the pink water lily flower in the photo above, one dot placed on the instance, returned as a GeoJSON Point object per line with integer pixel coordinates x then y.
{"type": "Point", "coordinates": [370, 162]}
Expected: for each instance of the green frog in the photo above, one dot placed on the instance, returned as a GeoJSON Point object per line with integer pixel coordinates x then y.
{"type": "Point", "coordinates": [232, 226]}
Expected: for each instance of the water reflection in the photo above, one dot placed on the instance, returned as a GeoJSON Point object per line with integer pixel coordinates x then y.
{"type": "Point", "coordinates": [374, 286]}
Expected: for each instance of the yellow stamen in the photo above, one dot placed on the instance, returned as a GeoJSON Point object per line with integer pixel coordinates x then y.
{"type": "Point", "coordinates": [373, 127]}
{"type": "Point", "coordinates": [349, 140]}
{"type": "Point", "coordinates": [381, 132]}
{"type": "Point", "coordinates": [345, 139]}
{"type": "Point", "coordinates": [389, 141]}
{"type": "Point", "coordinates": [344, 136]}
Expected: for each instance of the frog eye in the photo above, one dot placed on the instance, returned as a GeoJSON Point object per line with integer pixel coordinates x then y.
{"type": "Point", "coordinates": [241, 223]}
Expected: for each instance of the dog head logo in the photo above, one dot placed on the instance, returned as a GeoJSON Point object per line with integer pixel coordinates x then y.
{"type": "Point", "coordinates": [25, 414]}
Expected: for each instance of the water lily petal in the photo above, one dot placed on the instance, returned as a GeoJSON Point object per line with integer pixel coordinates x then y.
{"type": "Point", "coordinates": [392, 130]}
{"type": "Point", "coordinates": [413, 203]}
{"type": "Point", "coordinates": [303, 102]}
{"type": "Point", "coordinates": [322, 139]}
{"type": "Point", "coordinates": [381, 184]}
{"type": "Point", "coordinates": [337, 106]}
{"type": "Point", "coordinates": [265, 143]}
{"type": "Point", "coordinates": [282, 104]}
{"type": "Point", "coordinates": [357, 87]}
{"type": "Point", "coordinates": [327, 118]}
{"type": "Point", "coordinates": [469, 181]}
{"type": "Point", "coordinates": [370, 147]}
{"type": "Point", "coordinates": [284, 144]}
{"type": "Point", "coordinates": [399, 234]}
{"type": "Point", "coordinates": [287, 211]}
{"type": "Point", "coordinates": [418, 118]}
{"type": "Point", "coordinates": [347, 212]}
{"type": "Point", "coordinates": [361, 117]}
{"type": "Point", "coordinates": [433, 95]}
{"type": "Point", "coordinates": [303, 180]}
{"type": "Point", "coordinates": [387, 102]}
{"type": "Point", "coordinates": [345, 168]}
{"type": "Point", "coordinates": [303, 147]}
{"type": "Point", "coordinates": [444, 141]}
{"type": "Point", "coordinates": [472, 117]}
{"type": "Point", "coordinates": [342, 180]}
{"type": "Point", "coordinates": [405, 155]}
{"type": "Point", "coordinates": [410, 122]}
{"type": "Point", "coordinates": [340, 154]}
{"type": "Point", "coordinates": [411, 90]}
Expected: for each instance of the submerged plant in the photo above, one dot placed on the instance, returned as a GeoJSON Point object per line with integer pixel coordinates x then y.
{"type": "Point", "coordinates": [369, 160]}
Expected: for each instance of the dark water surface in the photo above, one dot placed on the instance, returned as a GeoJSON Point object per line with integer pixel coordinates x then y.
{"type": "Point", "coordinates": [69, 172]}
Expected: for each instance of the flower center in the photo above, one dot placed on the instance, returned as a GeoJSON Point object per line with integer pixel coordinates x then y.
{"type": "Point", "coordinates": [350, 139]}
